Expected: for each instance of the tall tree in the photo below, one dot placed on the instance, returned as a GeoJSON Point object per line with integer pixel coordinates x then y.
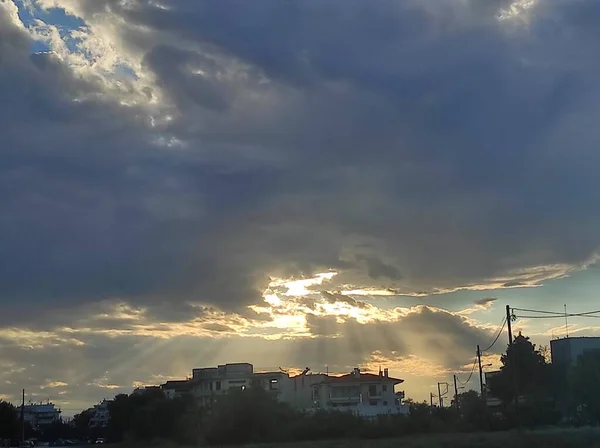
{"type": "Point", "coordinates": [524, 368]}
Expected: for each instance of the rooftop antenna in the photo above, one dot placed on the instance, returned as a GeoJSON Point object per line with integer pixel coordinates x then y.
{"type": "Point", "coordinates": [566, 322]}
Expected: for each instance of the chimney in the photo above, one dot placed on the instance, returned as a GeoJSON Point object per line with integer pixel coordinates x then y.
{"type": "Point", "coordinates": [356, 371]}
{"type": "Point", "coordinates": [386, 372]}
{"type": "Point", "coordinates": [380, 372]}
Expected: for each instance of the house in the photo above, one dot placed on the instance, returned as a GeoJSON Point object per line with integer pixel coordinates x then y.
{"type": "Point", "coordinates": [40, 414]}
{"type": "Point", "coordinates": [364, 394]}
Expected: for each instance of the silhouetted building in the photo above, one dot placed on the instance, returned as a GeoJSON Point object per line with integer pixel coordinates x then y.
{"type": "Point", "coordinates": [566, 351]}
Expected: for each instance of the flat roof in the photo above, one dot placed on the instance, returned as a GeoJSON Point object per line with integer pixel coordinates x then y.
{"type": "Point", "coordinates": [361, 378]}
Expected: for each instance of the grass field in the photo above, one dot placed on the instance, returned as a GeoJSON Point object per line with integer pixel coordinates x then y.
{"type": "Point", "coordinates": [550, 438]}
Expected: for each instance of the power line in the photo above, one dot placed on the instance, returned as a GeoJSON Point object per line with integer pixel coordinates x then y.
{"type": "Point", "coordinates": [538, 311]}
{"type": "Point", "coordinates": [470, 374]}
{"type": "Point", "coordinates": [497, 336]}
{"type": "Point", "coordinates": [559, 317]}
{"type": "Point", "coordinates": [554, 314]}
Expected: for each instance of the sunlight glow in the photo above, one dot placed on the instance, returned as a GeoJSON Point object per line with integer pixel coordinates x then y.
{"type": "Point", "coordinates": [516, 9]}
{"type": "Point", "coordinates": [299, 287]}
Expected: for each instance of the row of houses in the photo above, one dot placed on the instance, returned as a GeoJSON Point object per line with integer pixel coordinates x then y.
{"type": "Point", "coordinates": [364, 394]}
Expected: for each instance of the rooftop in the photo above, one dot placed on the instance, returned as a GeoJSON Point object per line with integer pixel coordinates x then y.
{"type": "Point", "coordinates": [361, 378]}
{"type": "Point", "coordinates": [177, 385]}
{"type": "Point", "coordinates": [570, 338]}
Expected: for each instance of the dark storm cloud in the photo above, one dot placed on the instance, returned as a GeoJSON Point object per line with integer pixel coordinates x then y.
{"type": "Point", "coordinates": [428, 147]}
{"type": "Point", "coordinates": [432, 335]}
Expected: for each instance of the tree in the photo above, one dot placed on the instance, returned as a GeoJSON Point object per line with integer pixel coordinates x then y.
{"type": "Point", "coordinates": [81, 424]}
{"type": "Point", "coordinates": [250, 415]}
{"type": "Point", "coordinates": [524, 368]}
{"type": "Point", "coordinates": [526, 373]}
{"type": "Point", "coordinates": [584, 385]}
{"type": "Point", "coordinates": [473, 410]}
{"type": "Point", "coordinates": [148, 415]}
{"type": "Point", "coordinates": [9, 421]}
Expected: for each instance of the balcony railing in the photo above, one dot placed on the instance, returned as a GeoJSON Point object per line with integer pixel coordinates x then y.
{"type": "Point", "coordinates": [339, 399]}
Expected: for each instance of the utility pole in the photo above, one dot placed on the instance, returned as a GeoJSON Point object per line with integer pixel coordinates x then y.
{"type": "Point", "coordinates": [456, 394]}
{"type": "Point", "coordinates": [23, 420]}
{"type": "Point", "coordinates": [431, 399]}
{"type": "Point", "coordinates": [514, 367]}
{"type": "Point", "coordinates": [440, 399]}
{"type": "Point", "coordinates": [480, 371]}
{"type": "Point", "coordinates": [508, 322]}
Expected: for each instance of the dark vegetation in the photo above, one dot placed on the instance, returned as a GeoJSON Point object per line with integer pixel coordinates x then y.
{"type": "Point", "coordinates": [549, 396]}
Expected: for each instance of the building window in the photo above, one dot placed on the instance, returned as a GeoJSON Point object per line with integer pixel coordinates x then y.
{"type": "Point", "coordinates": [384, 388]}
{"type": "Point", "coordinates": [218, 385]}
{"type": "Point", "coordinates": [373, 391]}
{"type": "Point", "coordinates": [385, 403]}
{"type": "Point", "coordinates": [210, 386]}
{"type": "Point", "coordinates": [373, 402]}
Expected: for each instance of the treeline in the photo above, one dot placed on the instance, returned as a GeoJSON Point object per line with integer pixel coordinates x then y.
{"type": "Point", "coordinates": [253, 416]}
{"type": "Point", "coordinates": [10, 428]}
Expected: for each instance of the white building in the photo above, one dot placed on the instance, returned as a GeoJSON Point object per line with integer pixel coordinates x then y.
{"type": "Point", "coordinates": [101, 415]}
{"type": "Point", "coordinates": [41, 414]}
{"type": "Point", "coordinates": [364, 394]}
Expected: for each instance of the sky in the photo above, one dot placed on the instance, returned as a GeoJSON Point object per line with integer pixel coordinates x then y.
{"type": "Point", "coordinates": [321, 183]}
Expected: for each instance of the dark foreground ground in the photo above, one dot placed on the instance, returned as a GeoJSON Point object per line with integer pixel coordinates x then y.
{"type": "Point", "coordinates": [551, 438]}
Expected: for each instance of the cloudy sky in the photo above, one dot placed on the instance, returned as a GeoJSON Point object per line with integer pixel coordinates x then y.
{"type": "Point", "coordinates": [322, 183]}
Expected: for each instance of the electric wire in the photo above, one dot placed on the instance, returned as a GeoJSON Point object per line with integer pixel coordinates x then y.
{"type": "Point", "coordinates": [470, 374]}
{"type": "Point", "coordinates": [554, 314]}
{"type": "Point", "coordinates": [537, 311]}
{"type": "Point", "coordinates": [497, 336]}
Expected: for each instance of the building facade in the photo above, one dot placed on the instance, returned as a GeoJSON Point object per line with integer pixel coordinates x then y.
{"type": "Point", "coordinates": [363, 394]}
{"type": "Point", "coordinates": [40, 414]}
{"type": "Point", "coordinates": [565, 351]}
{"type": "Point", "coordinates": [209, 383]}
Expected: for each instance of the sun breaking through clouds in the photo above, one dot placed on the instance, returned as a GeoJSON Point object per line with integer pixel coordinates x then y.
{"type": "Point", "coordinates": [309, 182]}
